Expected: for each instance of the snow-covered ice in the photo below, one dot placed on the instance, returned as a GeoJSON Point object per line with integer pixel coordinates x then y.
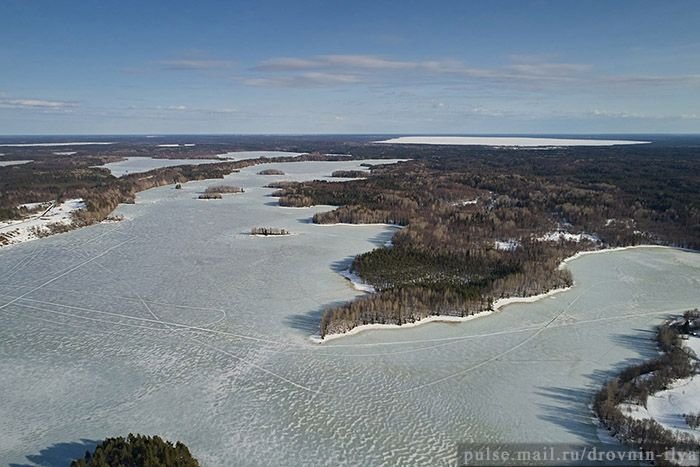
{"type": "Point", "coordinates": [143, 164]}
{"type": "Point", "coordinates": [105, 329]}
{"type": "Point", "coordinates": [505, 141]}
{"type": "Point", "coordinates": [9, 163]}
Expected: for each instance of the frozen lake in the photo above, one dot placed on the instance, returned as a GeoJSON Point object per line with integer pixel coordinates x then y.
{"type": "Point", "coordinates": [132, 165]}
{"type": "Point", "coordinates": [176, 322]}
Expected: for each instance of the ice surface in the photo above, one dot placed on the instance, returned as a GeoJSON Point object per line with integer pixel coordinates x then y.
{"type": "Point", "coordinates": [9, 163]}
{"type": "Point", "coordinates": [177, 322]}
{"type": "Point", "coordinates": [501, 141]}
{"type": "Point", "coordinates": [143, 164]}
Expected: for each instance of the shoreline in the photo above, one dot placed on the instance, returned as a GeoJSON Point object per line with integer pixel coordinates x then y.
{"type": "Point", "coordinates": [497, 306]}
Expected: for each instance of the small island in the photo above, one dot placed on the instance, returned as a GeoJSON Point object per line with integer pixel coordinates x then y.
{"type": "Point", "coordinates": [280, 184]}
{"type": "Point", "coordinates": [271, 172]}
{"type": "Point", "coordinates": [349, 174]}
{"type": "Point", "coordinates": [217, 191]}
{"type": "Point", "coordinates": [268, 231]}
{"type": "Point", "coordinates": [224, 189]}
{"type": "Point", "coordinates": [210, 196]}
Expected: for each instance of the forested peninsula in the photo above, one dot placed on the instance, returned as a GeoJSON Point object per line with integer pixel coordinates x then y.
{"type": "Point", "coordinates": [484, 224]}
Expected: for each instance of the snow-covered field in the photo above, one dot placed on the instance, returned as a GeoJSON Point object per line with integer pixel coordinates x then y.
{"type": "Point", "coordinates": [19, 231]}
{"type": "Point", "coordinates": [106, 329]}
{"type": "Point", "coordinates": [505, 141]}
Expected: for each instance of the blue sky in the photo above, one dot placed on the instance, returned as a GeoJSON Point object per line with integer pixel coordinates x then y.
{"type": "Point", "coordinates": [464, 67]}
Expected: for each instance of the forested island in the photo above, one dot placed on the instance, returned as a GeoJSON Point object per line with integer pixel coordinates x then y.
{"type": "Point", "coordinates": [217, 191]}
{"type": "Point", "coordinates": [349, 173]}
{"type": "Point", "coordinates": [268, 231]}
{"type": "Point", "coordinates": [137, 451]}
{"type": "Point", "coordinates": [271, 172]}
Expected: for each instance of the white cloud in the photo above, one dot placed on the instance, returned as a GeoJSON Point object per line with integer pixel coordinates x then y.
{"type": "Point", "coordinates": [194, 64]}
{"type": "Point", "coordinates": [306, 79]}
{"type": "Point", "coordinates": [36, 104]}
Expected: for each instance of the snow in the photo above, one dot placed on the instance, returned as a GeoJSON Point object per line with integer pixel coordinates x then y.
{"type": "Point", "coordinates": [506, 245]}
{"type": "Point", "coordinates": [175, 145]}
{"type": "Point", "coordinates": [64, 153]}
{"type": "Point", "coordinates": [505, 141]}
{"type": "Point", "coordinates": [357, 281]}
{"type": "Point", "coordinates": [635, 411]}
{"type": "Point", "coordinates": [9, 163]}
{"type": "Point", "coordinates": [174, 308]}
{"type": "Point", "coordinates": [32, 206]}
{"type": "Point", "coordinates": [466, 202]}
{"type": "Point", "coordinates": [561, 236]}
{"type": "Point", "coordinates": [668, 407]}
{"type": "Point", "coordinates": [20, 231]}
{"type": "Point", "coordinates": [72, 143]}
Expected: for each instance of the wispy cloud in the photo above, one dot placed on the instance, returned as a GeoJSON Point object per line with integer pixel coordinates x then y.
{"type": "Point", "coordinates": [349, 69]}
{"type": "Point", "coordinates": [305, 79]}
{"type": "Point", "coordinates": [639, 116]}
{"type": "Point", "coordinates": [195, 64]}
{"type": "Point", "coordinates": [530, 70]}
{"type": "Point", "coordinates": [36, 104]}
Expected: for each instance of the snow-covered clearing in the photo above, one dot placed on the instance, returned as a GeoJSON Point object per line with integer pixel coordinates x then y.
{"type": "Point", "coordinates": [30, 228]}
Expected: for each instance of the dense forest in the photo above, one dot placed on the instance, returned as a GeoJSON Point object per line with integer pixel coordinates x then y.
{"type": "Point", "coordinates": [482, 224]}
{"type": "Point", "coordinates": [636, 383]}
{"type": "Point", "coordinates": [137, 451]}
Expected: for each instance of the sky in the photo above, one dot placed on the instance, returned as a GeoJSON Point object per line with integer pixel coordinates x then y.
{"type": "Point", "coordinates": [308, 67]}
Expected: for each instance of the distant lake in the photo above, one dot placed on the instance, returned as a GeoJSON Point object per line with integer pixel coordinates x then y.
{"type": "Point", "coordinates": [143, 164]}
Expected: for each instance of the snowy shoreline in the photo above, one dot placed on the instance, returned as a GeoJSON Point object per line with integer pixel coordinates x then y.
{"type": "Point", "coordinates": [497, 306]}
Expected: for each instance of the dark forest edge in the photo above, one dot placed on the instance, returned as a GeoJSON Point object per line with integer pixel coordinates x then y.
{"type": "Point", "coordinates": [636, 383]}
